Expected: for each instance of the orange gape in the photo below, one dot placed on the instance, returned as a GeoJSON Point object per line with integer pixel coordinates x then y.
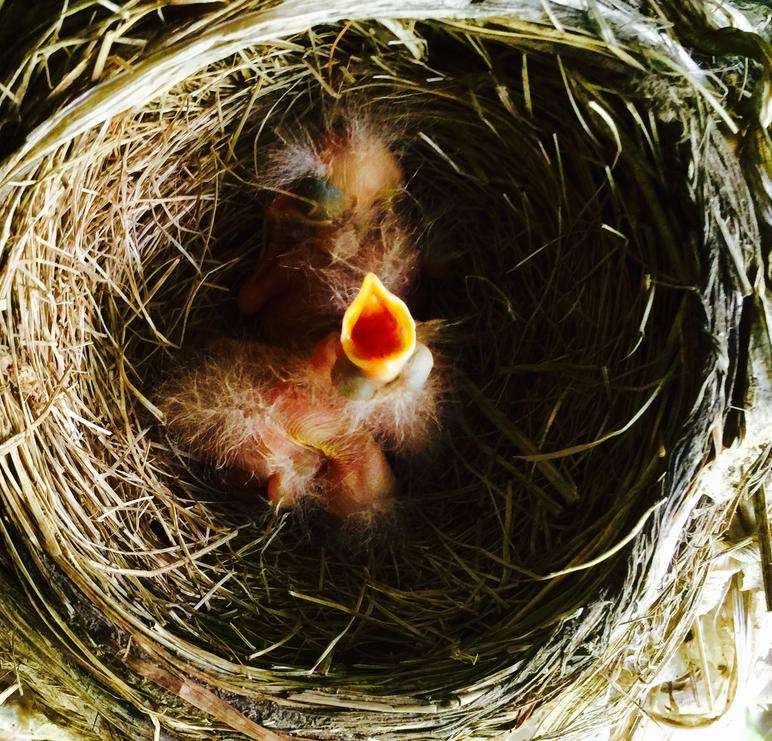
{"type": "Point", "coordinates": [378, 332]}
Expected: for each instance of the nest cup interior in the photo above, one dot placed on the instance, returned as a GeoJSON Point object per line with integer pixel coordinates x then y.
{"type": "Point", "coordinates": [569, 378]}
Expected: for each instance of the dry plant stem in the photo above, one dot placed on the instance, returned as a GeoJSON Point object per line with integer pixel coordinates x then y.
{"type": "Point", "coordinates": [203, 699]}
{"type": "Point", "coordinates": [765, 541]}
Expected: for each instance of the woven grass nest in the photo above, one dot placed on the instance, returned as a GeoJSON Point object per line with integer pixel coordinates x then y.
{"type": "Point", "coordinates": [579, 195]}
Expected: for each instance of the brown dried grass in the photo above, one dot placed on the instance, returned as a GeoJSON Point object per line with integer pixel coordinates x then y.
{"type": "Point", "coordinates": [585, 226]}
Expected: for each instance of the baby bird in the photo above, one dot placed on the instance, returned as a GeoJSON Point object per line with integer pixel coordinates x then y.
{"type": "Point", "coordinates": [333, 223]}
{"type": "Point", "coordinates": [314, 424]}
{"type": "Point", "coordinates": [384, 371]}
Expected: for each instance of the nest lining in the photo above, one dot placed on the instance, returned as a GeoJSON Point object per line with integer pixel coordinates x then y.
{"type": "Point", "coordinates": [578, 347]}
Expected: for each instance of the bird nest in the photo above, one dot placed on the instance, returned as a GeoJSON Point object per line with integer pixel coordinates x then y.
{"type": "Point", "coordinates": [575, 195]}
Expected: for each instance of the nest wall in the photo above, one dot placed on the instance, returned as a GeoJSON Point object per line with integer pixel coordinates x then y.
{"type": "Point", "coordinates": [578, 199]}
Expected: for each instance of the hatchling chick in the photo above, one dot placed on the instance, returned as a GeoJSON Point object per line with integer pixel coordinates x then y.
{"type": "Point", "coordinates": [332, 223]}
{"type": "Point", "coordinates": [384, 371]}
{"type": "Point", "coordinates": [270, 421]}
{"type": "Point", "coordinates": [298, 424]}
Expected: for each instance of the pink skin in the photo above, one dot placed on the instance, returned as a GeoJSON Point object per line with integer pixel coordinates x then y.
{"type": "Point", "coordinates": [360, 484]}
{"type": "Point", "coordinates": [299, 448]}
{"type": "Point", "coordinates": [363, 168]}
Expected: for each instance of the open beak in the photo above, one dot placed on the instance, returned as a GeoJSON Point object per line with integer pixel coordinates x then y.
{"type": "Point", "coordinates": [378, 333]}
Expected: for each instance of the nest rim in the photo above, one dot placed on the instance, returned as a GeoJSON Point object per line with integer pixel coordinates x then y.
{"type": "Point", "coordinates": [637, 530]}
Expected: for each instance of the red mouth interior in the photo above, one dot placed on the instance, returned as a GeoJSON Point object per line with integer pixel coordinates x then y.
{"type": "Point", "coordinates": [376, 333]}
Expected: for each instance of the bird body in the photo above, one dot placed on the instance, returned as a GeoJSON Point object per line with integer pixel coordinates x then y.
{"type": "Point", "coordinates": [332, 222]}
{"type": "Point", "coordinates": [275, 420]}
{"type": "Point", "coordinates": [285, 420]}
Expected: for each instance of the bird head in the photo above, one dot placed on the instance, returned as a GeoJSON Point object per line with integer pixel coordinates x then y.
{"type": "Point", "coordinates": [357, 175]}
{"type": "Point", "coordinates": [378, 339]}
{"type": "Point", "coordinates": [361, 166]}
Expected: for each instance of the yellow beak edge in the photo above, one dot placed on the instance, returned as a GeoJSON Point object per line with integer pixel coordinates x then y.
{"type": "Point", "coordinates": [378, 333]}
